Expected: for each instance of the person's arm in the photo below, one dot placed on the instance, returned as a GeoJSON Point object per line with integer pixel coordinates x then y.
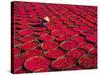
{"type": "Point", "coordinates": [44, 21]}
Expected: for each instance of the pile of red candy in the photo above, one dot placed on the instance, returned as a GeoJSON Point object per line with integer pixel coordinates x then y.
{"type": "Point", "coordinates": [67, 42]}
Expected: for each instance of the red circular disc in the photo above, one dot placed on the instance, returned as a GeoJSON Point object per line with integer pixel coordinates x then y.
{"type": "Point", "coordinates": [30, 53]}
{"type": "Point", "coordinates": [88, 61]}
{"type": "Point", "coordinates": [68, 45]}
{"type": "Point", "coordinates": [63, 63]}
{"type": "Point", "coordinates": [28, 38]}
{"type": "Point", "coordinates": [35, 63]}
{"type": "Point", "coordinates": [29, 45]}
{"type": "Point", "coordinates": [54, 54]}
{"type": "Point", "coordinates": [47, 37]}
{"type": "Point", "coordinates": [40, 33]}
{"type": "Point", "coordinates": [77, 53]}
{"type": "Point", "coordinates": [58, 33]}
{"type": "Point", "coordinates": [49, 45]}
{"type": "Point", "coordinates": [25, 32]}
